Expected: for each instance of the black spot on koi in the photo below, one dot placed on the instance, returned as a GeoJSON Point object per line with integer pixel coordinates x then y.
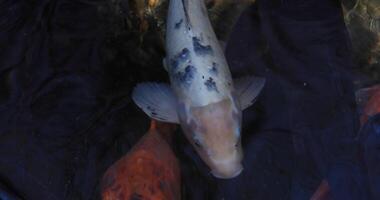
{"type": "Point", "coordinates": [136, 196]}
{"type": "Point", "coordinates": [186, 77]}
{"type": "Point", "coordinates": [201, 49]}
{"type": "Point", "coordinates": [151, 109]}
{"type": "Point", "coordinates": [178, 24]}
{"type": "Point", "coordinates": [213, 70]}
{"type": "Point", "coordinates": [180, 58]}
{"type": "Point", "coordinates": [211, 85]}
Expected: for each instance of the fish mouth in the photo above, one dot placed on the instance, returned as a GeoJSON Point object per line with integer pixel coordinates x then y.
{"type": "Point", "coordinates": [228, 175]}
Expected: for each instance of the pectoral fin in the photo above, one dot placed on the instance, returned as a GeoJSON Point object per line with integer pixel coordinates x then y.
{"type": "Point", "coordinates": [157, 100]}
{"type": "Point", "coordinates": [248, 88]}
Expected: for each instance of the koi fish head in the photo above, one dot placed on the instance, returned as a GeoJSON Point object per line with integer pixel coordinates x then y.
{"type": "Point", "coordinates": [214, 131]}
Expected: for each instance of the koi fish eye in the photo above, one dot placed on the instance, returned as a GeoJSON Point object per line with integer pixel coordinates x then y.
{"type": "Point", "coordinates": [237, 132]}
{"type": "Point", "coordinates": [197, 143]}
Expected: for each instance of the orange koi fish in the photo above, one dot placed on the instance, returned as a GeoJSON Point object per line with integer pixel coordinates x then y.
{"type": "Point", "coordinates": [150, 171]}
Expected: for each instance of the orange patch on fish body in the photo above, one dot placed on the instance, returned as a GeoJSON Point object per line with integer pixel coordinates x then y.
{"type": "Point", "coordinates": [216, 125]}
{"type": "Point", "coordinates": [214, 131]}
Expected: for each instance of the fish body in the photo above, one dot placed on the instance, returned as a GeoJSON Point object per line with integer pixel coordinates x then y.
{"type": "Point", "coordinates": [202, 97]}
{"type": "Point", "coordinates": [195, 61]}
{"type": "Point", "coordinates": [149, 171]}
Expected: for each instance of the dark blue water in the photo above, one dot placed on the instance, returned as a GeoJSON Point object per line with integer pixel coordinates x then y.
{"type": "Point", "coordinates": [66, 112]}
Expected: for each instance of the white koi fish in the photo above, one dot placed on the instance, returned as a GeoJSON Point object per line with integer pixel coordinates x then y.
{"type": "Point", "coordinates": [202, 97]}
